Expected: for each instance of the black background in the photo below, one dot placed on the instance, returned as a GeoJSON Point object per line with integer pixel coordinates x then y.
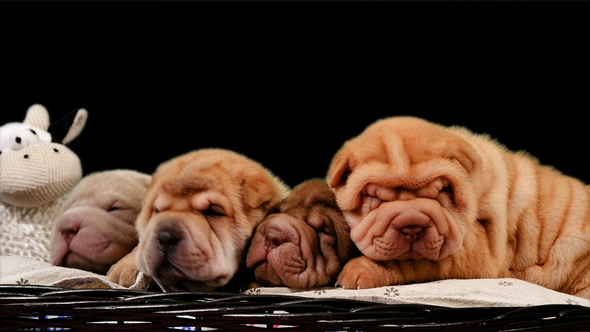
{"type": "Point", "coordinates": [286, 83]}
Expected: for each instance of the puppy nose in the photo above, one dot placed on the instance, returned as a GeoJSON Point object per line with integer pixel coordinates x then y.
{"type": "Point", "coordinates": [274, 239]}
{"type": "Point", "coordinates": [411, 232]}
{"type": "Point", "coordinates": [169, 235]}
{"type": "Point", "coordinates": [167, 239]}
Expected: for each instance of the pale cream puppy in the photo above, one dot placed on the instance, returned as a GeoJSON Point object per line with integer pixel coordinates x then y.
{"type": "Point", "coordinates": [97, 225]}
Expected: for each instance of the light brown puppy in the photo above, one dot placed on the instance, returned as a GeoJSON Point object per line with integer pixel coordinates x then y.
{"type": "Point", "coordinates": [197, 218]}
{"type": "Point", "coordinates": [97, 225]}
{"type": "Point", "coordinates": [427, 202]}
{"type": "Point", "coordinates": [303, 242]}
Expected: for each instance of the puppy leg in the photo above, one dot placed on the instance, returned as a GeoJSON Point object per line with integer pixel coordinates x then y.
{"type": "Point", "coordinates": [125, 271]}
{"type": "Point", "coordinates": [362, 272]}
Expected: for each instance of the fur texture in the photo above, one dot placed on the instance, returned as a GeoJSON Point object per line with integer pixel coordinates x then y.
{"type": "Point", "coordinates": [197, 219]}
{"type": "Point", "coordinates": [304, 241]}
{"type": "Point", "coordinates": [427, 202]}
{"type": "Point", "coordinates": [97, 225]}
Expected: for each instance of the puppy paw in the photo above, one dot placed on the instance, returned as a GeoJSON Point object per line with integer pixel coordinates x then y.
{"type": "Point", "coordinates": [124, 272]}
{"type": "Point", "coordinates": [362, 273]}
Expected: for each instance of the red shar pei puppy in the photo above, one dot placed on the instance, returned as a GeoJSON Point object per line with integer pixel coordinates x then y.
{"type": "Point", "coordinates": [303, 242]}
{"type": "Point", "coordinates": [426, 202]}
{"type": "Point", "coordinates": [196, 220]}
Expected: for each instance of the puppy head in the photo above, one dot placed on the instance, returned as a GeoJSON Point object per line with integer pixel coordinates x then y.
{"type": "Point", "coordinates": [198, 215]}
{"type": "Point", "coordinates": [405, 188]}
{"type": "Point", "coordinates": [303, 242]}
{"type": "Point", "coordinates": [97, 225]}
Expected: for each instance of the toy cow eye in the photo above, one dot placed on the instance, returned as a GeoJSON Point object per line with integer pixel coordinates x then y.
{"type": "Point", "coordinates": [17, 140]}
{"type": "Point", "coordinates": [34, 133]}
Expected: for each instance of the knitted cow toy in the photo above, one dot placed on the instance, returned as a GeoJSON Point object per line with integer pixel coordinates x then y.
{"type": "Point", "coordinates": [36, 172]}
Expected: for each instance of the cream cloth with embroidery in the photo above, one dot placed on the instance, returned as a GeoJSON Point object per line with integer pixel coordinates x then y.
{"type": "Point", "coordinates": [16, 269]}
{"type": "Point", "coordinates": [448, 293]}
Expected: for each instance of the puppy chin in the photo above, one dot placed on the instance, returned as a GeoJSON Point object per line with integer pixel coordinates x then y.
{"type": "Point", "coordinates": [173, 274]}
{"type": "Point", "coordinates": [74, 260]}
{"type": "Point", "coordinates": [178, 282]}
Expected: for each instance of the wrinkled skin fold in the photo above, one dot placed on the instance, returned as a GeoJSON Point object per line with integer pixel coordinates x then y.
{"type": "Point", "coordinates": [427, 202]}
{"type": "Point", "coordinates": [304, 242]}
{"type": "Point", "coordinates": [196, 221]}
{"type": "Point", "coordinates": [97, 226]}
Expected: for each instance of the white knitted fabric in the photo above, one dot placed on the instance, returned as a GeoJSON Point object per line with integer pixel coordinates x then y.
{"type": "Point", "coordinates": [37, 116]}
{"type": "Point", "coordinates": [27, 232]}
{"type": "Point", "coordinates": [38, 174]}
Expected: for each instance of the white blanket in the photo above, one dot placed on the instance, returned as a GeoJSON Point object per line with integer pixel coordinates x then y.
{"type": "Point", "coordinates": [449, 293]}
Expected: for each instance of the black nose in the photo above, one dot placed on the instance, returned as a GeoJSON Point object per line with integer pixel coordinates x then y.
{"type": "Point", "coordinates": [169, 235]}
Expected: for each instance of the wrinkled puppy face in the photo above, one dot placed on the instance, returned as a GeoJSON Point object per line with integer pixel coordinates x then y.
{"type": "Point", "coordinates": [97, 225]}
{"type": "Point", "coordinates": [198, 216]}
{"type": "Point", "coordinates": [304, 242]}
{"type": "Point", "coordinates": [404, 188]}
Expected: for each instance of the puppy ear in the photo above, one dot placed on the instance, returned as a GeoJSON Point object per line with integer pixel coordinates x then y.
{"type": "Point", "coordinates": [258, 192]}
{"type": "Point", "coordinates": [147, 204]}
{"type": "Point", "coordinates": [339, 170]}
{"type": "Point", "coordinates": [466, 155]}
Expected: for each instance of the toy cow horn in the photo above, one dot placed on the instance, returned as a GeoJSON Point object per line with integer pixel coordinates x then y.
{"type": "Point", "coordinates": [69, 127]}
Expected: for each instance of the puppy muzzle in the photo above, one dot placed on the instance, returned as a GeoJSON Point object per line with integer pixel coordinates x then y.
{"type": "Point", "coordinates": [181, 253]}
{"type": "Point", "coordinates": [411, 229]}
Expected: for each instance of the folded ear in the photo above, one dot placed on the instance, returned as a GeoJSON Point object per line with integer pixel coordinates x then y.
{"type": "Point", "coordinates": [260, 192]}
{"type": "Point", "coordinates": [69, 127]}
{"type": "Point", "coordinates": [37, 116]}
{"type": "Point", "coordinates": [339, 171]}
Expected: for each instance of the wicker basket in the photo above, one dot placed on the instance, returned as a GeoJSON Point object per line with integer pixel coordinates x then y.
{"type": "Point", "coordinates": [45, 308]}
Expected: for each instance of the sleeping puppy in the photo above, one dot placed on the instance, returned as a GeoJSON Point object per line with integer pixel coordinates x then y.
{"type": "Point", "coordinates": [303, 242]}
{"type": "Point", "coordinates": [197, 218]}
{"type": "Point", "coordinates": [426, 202]}
{"type": "Point", "coordinates": [97, 225]}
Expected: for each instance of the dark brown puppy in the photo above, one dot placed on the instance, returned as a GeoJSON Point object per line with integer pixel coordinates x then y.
{"type": "Point", "coordinates": [303, 242]}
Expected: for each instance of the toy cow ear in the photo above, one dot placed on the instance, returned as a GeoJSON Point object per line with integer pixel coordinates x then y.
{"type": "Point", "coordinates": [37, 116]}
{"type": "Point", "coordinates": [69, 127]}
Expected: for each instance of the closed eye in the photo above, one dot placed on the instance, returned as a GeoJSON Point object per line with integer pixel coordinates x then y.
{"type": "Point", "coordinates": [321, 224]}
{"type": "Point", "coordinates": [327, 230]}
{"type": "Point", "coordinates": [372, 202]}
{"type": "Point", "coordinates": [214, 211]}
